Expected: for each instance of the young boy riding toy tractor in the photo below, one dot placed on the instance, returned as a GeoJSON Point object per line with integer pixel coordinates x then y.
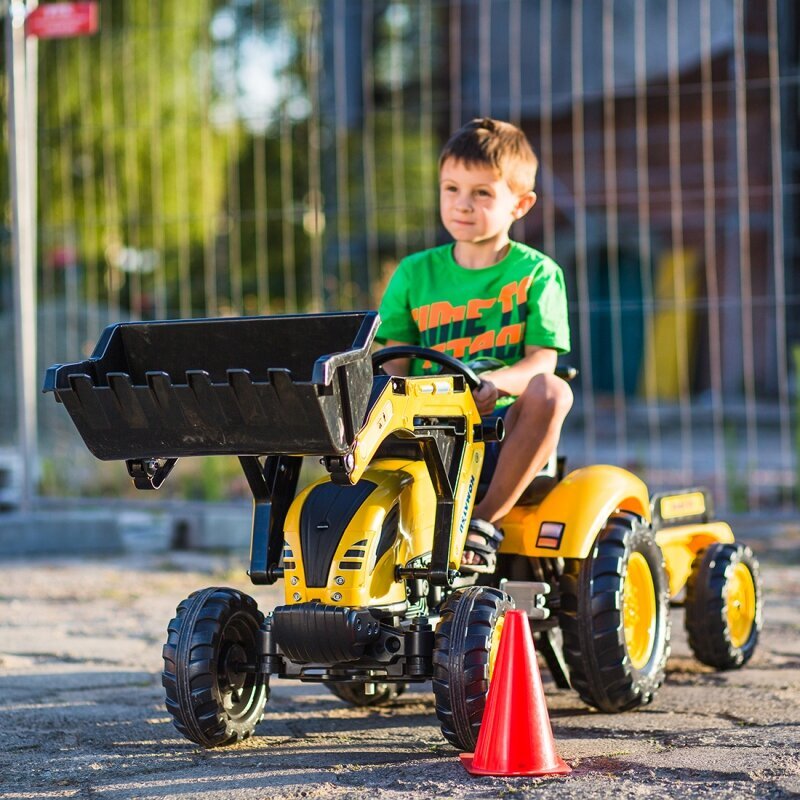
{"type": "Point", "coordinates": [400, 564]}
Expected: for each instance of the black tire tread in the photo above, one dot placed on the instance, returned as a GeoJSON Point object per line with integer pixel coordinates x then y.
{"type": "Point", "coordinates": [461, 661]}
{"type": "Point", "coordinates": [592, 623]}
{"type": "Point", "coordinates": [189, 674]}
{"type": "Point", "coordinates": [706, 608]}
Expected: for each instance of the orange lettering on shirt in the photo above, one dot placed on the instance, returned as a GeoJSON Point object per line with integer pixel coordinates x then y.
{"type": "Point", "coordinates": [476, 306]}
{"type": "Point", "coordinates": [522, 291]}
{"type": "Point", "coordinates": [483, 341]}
{"type": "Point", "coordinates": [420, 316]}
{"type": "Point", "coordinates": [508, 295]}
{"type": "Point", "coordinates": [458, 347]}
{"type": "Point", "coordinates": [510, 334]}
{"type": "Point", "coordinates": [455, 347]}
{"type": "Point", "coordinates": [442, 313]}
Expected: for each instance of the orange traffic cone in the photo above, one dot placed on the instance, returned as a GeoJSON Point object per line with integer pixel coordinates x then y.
{"type": "Point", "coordinates": [515, 736]}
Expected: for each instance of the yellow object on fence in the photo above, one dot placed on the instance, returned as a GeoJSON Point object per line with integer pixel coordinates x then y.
{"type": "Point", "coordinates": [669, 341]}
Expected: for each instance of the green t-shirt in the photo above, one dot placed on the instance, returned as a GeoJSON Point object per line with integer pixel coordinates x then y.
{"type": "Point", "coordinates": [472, 313]}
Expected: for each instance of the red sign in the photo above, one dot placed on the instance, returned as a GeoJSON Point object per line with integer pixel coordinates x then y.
{"type": "Point", "coordinates": [62, 20]}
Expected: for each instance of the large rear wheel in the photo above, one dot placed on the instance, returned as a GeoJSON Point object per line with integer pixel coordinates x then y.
{"type": "Point", "coordinates": [213, 691]}
{"type": "Point", "coordinates": [615, 617]}
{"type": "Point", "coordinates": [723, 605]}
{"type": "Point", "coordinates": [465, 649]}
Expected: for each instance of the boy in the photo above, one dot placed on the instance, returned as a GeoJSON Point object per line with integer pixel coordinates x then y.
{"type": "Point", "coordinates": [485, 295]}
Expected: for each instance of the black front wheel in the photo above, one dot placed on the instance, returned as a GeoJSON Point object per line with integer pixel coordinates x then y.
{"type": "Point", "coordinates": [615, 617]}
{"type": "Point", "coordinates": [213, 691]}
{"type": "Point", "coordinates": [723, 605]}
{"type": "Point", "coordinates": [465, 648]}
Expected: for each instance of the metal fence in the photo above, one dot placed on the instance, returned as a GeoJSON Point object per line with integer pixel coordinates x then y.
{"type": "Point", "coordinates": [212, 158]}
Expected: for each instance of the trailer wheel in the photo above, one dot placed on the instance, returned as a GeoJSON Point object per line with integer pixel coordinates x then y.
{"type": "Point", "coordinates": [213, 693]}
{"type": "Point", "coordinates": [723, 605]}
{"type": "Point", "coordinates": [465, 648]}
{"type": "Point", "coordinates": [356, 695]}
{"type": "Point", "coordinates": [615, 617]}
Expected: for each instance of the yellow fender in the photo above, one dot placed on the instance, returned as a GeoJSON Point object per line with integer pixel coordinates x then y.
{"type": "Point", "coordinates": [566, 523]}
{"type": "Point", "coordinates": [681, 543]}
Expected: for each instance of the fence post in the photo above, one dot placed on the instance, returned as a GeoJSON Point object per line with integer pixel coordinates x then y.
{"type": "Point", "coordinates": [21, 155]}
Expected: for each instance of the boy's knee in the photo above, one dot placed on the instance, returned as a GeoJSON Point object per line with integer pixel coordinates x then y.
{"type": "Point", "coordinates": [550, 393]}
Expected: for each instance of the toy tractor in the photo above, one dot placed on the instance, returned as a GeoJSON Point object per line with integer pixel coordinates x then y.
{"type": "Point", "coordinates": [370, 553]}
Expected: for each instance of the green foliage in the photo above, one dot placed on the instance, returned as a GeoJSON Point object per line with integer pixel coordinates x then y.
{"type": "Point", "coordinates": [126, 157]}
{"type": "Point", "coordinates": [212, 479]}
{"type": "Point", "coordinates": [150, 148]}
{"type": "Point", "coordinates": [153, 145]}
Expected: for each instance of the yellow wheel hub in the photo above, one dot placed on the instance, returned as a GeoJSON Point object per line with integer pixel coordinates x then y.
{"type": "Point", "coordinates": [639, 610]}
{"type": "Point", "coordinates": [741, 604]}
{"type": "Point", "coordinates": [494, 643]}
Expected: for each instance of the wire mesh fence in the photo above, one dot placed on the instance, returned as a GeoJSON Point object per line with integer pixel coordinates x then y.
{"type": "Point", "coordinates": [254, 157]}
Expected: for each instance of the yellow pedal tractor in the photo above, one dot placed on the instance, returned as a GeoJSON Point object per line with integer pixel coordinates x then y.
{"type": "Point", "coordinates": [369, 554]}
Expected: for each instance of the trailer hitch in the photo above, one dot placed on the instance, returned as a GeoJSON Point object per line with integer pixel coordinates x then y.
{"type": "Point", "coordinates": [149, 473]}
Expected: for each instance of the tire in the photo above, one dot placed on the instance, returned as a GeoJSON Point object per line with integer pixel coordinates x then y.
{"type": "Point", "coordinates": [723, 606]}
{"type": "Point", "coordinates": [355, 694]}
{"type": "Point", "coordinates": [467, 638]}
{"type": "Point", "coordinates": [615, 617]}
{"type": "Point", "coordinates": [211, 702]}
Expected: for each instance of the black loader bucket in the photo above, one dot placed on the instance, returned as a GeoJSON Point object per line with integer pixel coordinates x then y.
{"type": "Point", "coordinates": [295, 385]}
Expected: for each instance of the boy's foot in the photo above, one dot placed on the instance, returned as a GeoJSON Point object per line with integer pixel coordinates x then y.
{"type": "Point", "coordinates": [480, 551]}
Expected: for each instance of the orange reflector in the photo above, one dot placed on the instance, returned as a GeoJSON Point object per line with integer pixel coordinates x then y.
{"type": "Point", "coordinates": [550, 534]}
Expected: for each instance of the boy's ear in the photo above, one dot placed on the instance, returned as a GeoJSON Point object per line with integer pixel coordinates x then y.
{"type": "Point", "coordinates": [525, 203]}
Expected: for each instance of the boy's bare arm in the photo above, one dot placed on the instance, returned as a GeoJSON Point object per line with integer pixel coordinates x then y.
{"type": "Point", "coordinates": [514, 380]}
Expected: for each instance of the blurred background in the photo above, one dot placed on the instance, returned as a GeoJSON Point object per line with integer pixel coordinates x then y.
{"type": "Point", "coordinates": [267, 156]}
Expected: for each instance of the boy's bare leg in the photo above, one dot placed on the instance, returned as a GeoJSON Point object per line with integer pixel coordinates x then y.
{"type": "Point", "coordinates": [533, 425]}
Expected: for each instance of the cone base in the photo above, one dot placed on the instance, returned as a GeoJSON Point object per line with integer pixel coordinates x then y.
{"type": "Point", "coordinates": [560, 767]}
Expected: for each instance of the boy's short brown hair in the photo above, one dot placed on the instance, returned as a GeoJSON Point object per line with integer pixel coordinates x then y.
{"type": "Point", "coordinates": [496, 144]}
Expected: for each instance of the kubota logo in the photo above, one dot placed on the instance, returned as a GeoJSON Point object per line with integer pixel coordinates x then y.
{"type": "Point", "coordinates": [466, 504]}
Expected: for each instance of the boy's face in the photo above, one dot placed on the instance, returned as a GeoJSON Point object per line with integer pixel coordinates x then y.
{"type": "Point", "coordinates": [476, 204]}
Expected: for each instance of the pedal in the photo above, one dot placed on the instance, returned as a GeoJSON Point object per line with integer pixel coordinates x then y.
{"type": "Point", "coordinates": [528, 596]}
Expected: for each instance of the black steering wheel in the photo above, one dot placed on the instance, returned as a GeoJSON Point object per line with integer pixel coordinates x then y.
{"type": "Point", "coordinates": [449, 364]}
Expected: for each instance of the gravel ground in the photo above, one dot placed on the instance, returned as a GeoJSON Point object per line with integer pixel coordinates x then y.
{"type": "Point", "coordinates": [81, 711]}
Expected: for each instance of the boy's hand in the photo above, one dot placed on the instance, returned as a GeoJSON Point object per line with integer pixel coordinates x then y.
{"type": "Point", "coordinates": [485, 397]}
